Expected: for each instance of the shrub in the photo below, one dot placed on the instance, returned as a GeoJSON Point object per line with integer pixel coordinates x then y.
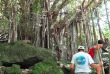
{"type": "Point", "coordinates": [15, 69]}
{"type": "Point", "coordinates": [48, 66]}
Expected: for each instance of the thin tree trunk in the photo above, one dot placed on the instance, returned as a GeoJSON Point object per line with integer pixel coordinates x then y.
{"type": "Point", "coordinates": [93, 25]}
{"type": "Point", "coordinates": [85, 27]}
{"type": "Point", "coordinates": [107, 14]}
{"type": "Point", "coordinates": [63, 43]}
{"type": "Point", "coordinates": [100, 34]}
{"type": "Point", "coordinates": [73, 39]}
{"type": "Point", "coordinates": [47, 19]}
{"type": "Point", "coordinates": [12, 25]}
{"type": "Point", "coordinates": [44, 25]}
{"type": "Point", "coordinates": [72, 43]}
{"type": "Point", "coordinates": [57, 47]}
{"type": "Point", "coordinates": [80, 28]}
{"type": "Point", "coordinates": [56, 41]}
{"type": "Point", "coordinates": [67, 47]}
{"type": "Point", "coordinates": [43, 31]}
{"type": "Point", "coordinates": [10, 33]}
{"type": "Point", "coordinates": [97, 40]}
{"type": "Point", "coordinates": [109, 59]}
{"type": "Point", "coordinates": [37, 37]}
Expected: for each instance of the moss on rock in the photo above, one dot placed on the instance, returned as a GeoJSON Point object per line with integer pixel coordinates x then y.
{"type": "Point", "coordinates": [20, 52]}
{"type": "Point", "coordinates": [15, 69]}
{"type": "Point", "coordinates": [48, 66]}
{"type": "Point", "coordinates": [0, 63]}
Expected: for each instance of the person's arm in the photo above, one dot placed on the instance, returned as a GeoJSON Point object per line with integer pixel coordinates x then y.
{"type": "Point", "coordinates": [95, 47]}
{"type": "Point", "coordinates": [72, 68]}
{"type": "Point", "coordinates": [97, 67]}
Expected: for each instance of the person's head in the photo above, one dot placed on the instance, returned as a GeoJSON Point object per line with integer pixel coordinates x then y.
{"type": "Point", "coordinates": [80, 48]}
{"type": "Point", "coordinates": [101, 42]}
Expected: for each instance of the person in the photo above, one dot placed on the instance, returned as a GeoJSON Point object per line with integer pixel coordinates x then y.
{"type": "Point", "coordinates": [82, 61]}
{"type": "Point", "coordinates": [93, 51]}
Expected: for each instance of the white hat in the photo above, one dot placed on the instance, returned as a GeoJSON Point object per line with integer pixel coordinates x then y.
{"type": "Point", "coordinates": [81, 47]}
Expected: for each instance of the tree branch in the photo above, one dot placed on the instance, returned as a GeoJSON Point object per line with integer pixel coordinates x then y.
{"type": "Point", "coordinates": [72, 17]}
{"type": "Point", "coordinates": [54, 5]}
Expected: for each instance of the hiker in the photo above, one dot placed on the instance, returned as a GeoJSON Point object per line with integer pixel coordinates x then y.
{"type": "Point", "coordinates": [82, 61]}
{"type": "Point", "coordinates": [93, 51]}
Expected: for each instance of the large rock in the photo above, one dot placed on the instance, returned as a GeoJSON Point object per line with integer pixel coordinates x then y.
{"type": "Point", "coordinates": [48, 66]}
{"type": "Point", "coordinates": [23, 54]}
{"type": "Point", "coordinates": [65, 66]}
{"type": "Point", "coordinates": [105, 58]}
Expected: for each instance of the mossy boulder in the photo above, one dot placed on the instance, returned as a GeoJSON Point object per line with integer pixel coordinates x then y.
{"type": "Point", "coordinates": [23, 54]}
{"type": "Point", "coordinates": [15, 69]}
{"type": "Point", "coordinates": [48, 66]}
{"type": "Point", "coordinates": [0, 63]}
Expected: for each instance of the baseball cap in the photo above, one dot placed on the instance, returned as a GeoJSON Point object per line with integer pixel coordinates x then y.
{"type": "Point", "coordinates": [81, 47]}
{"type": "Point", "coordinates": [100, 41]}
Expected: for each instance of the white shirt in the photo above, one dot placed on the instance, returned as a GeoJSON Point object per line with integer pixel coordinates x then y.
{"type": "Point", "coordinates": [82, 62]}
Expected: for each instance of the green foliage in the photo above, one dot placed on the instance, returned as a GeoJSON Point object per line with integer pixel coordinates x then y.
{"type": "Point", "coordinates": [37, 5]}
{"type": "Point", "coordinates": [15, 50]}
{"type": "Point", "coordinates": [93, 71]}
{"type": "Point", "coordinates": [15, 69]}
{"type": "Point", "coordinates": [48, 66]}
{"type": "Point", "coordinates": [4, 23]}
{"type": "Point", "coordinates": [106, 32]}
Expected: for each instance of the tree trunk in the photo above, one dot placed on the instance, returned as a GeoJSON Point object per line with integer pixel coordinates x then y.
{"type": "Point", "coordinates": [109, 59]}
{"type": "Point", "coordinates": [43, 31]}
{"type": "Point", "coordinates": [100, 33]}
{"type": "Point", "coordinates": [93, 25]}
{"type": "Point", "coordinates": [73, 39]}
{"type": "Point", "coordinates": [107, 14]}
{"type": "Point", "coordinates": [85, 27]}
{"type": "Point", "coordinates": [37, 27]}
{"type": "Point", "coordinates": [80, 30]}
{"type": "Point", "coordinates": [48, 24]}
{"type": "Point", "coordinates": [12, 25]}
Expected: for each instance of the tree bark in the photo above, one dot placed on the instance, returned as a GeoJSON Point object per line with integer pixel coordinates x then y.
{"type": "Point", "coordinates": [107, 14]}
{"type": "Point", "coordinates": [85, 27]}
{"type": "Point", "coordinates": [93, 25]}
{"type": "Point", "coordinates": [12, 25]}
{"type": "Point", "coordinates": [100, 33]}
{"type": "Point", "coordinates": [80, 29]}
{"type": "Point", "coordinates": [73, 39]}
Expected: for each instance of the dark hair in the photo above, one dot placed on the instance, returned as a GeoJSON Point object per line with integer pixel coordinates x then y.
{"type": "Point", "coordinates": [80, 50]}
{"type": "Point", "coordinates": [100, 41]}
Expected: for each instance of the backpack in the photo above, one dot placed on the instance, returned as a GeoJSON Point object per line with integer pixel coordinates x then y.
{"type": "Point", "coordinates": [91, 52]}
